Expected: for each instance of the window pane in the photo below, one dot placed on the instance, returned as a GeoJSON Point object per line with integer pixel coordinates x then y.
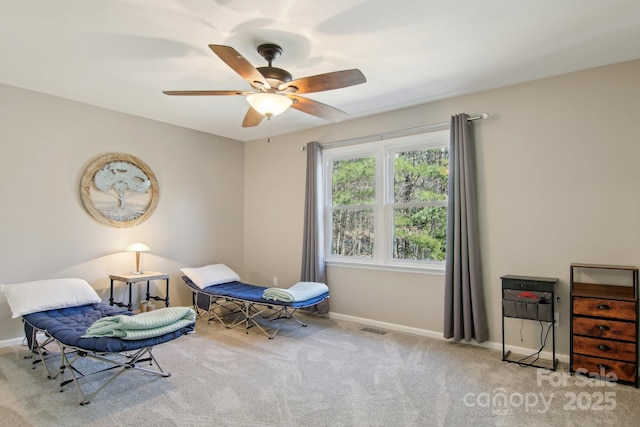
{"type": "Point", "coordinates": [353, 182]}
{"type": "Point", "coordinates": [421, 175]}
{"type": "Point", "coordinates": [420, 233]}
{"type": "Point", "coordinates": [352, 232]}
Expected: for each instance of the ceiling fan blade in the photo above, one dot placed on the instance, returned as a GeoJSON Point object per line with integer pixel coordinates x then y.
{"type": "Point", "coordinates": [205, 92]}
{"type": "Point", "coordinates": [316, 108]}
{"type": "Point", "coordinates": [252, 118]}
{"type": "Point", "coordinates": [328, 81]}
{"type": "Point", "coordinates": [240, 65]}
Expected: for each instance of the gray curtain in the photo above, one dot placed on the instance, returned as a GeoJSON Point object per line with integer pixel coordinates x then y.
{"type": "Point", "coordinates": [313, 264]}
{"type": "Point", "coordinates": [464, 314]}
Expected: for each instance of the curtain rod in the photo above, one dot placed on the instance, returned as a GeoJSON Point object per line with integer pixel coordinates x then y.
{"type": "Point", "coordinates": [394, 133]}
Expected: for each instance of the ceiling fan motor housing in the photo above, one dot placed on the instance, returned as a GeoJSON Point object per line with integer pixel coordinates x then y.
{"type": "Point", "coordinates": [275, 76]}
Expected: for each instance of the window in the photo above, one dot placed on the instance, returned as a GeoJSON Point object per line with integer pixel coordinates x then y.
{"type": "Point", "coordinates": [386, 201]}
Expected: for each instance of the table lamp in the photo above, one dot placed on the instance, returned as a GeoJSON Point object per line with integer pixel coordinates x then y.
{"type": "Point", "coordinates": [137, 248]}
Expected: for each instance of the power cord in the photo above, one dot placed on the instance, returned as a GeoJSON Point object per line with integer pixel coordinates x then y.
{"type": "Point", "coordinates": [543, 342]}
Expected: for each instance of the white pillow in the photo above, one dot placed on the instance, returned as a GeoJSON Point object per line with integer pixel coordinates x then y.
{"type": "Point", "coordinates": [41, 295]}
{"type": "Point", "coordinates": [208, 275]}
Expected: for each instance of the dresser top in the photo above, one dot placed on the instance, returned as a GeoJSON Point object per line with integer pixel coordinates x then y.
{"type": "Point", "coordinates": [605, 266]}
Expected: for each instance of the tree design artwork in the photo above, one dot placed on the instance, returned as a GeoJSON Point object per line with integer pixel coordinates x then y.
{"type": "Point", "coordinates": [121, 177]}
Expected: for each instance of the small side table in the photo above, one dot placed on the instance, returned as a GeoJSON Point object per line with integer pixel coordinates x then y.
{"type": "Point", "coordinates": [534, 300]}
{"type": "Point", "coordinates": [130, 279]}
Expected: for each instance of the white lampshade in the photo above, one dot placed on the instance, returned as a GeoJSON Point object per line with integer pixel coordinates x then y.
{"type": "Point", "coordinates": [137, 248]}
{"type": "Point", "coordinates": [269, 104]}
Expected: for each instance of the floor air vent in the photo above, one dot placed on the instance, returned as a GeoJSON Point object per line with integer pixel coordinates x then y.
{"type": "Point", "coordinates": [374, 330]}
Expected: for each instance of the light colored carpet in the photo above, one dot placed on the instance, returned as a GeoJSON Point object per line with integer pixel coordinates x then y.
{"type": "Point", "coordinates": [328, 374]}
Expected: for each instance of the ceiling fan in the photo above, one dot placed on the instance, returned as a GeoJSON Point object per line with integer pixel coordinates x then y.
{"type": "Point", "coordinates": [275, 90]}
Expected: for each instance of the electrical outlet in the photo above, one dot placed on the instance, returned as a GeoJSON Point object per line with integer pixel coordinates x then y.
{"type": "Point", "coordinates": [275, 281]}
{"type": "Point", "coordinates": [556, 319]}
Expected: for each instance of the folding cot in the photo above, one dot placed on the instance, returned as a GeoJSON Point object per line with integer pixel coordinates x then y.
{"type": "Point", "coordinates": [77, 309]}
{"type": "Point", "coordinates": [228, 296]}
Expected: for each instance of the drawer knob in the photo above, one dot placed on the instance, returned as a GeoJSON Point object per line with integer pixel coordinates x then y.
{"type": "Point", "coordinates": [602, 366]}
{"type": "Point", "coordinates": [604, 307]}
{"type": "Point", "coordinates": [603, 327]}
{"type": "Point", "coordinates": [604, 347]}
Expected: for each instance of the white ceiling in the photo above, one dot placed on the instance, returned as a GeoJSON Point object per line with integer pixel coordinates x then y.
{"type": "Point", "coordinates": [121, 54]}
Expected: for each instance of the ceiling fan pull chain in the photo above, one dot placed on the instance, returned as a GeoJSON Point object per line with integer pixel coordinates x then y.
{"type": "Point", "coordinates": [269, 126]}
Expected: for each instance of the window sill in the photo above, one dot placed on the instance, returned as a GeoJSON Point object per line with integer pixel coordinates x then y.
{"type": "Point", "coordinates": [408, 268]}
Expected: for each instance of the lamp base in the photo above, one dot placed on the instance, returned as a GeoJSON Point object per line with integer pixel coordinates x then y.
{"type": "Point", "coordinates": [137, 271]}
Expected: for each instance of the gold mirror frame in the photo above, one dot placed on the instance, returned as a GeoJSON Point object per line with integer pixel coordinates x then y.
{"type": "Point", "coordinates": [89, 192]}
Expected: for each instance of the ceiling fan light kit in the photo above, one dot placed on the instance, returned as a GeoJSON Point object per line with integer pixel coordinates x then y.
{"type": "Point", "coordinates": [276, 88]}
{"type": "Point", "coordinates": [269, 104]}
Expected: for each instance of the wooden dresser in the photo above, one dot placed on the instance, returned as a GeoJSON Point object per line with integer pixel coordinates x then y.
{"type": "Point", "coordinates": [604, 321]}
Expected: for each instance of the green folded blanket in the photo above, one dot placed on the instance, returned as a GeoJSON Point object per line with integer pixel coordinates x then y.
{"type": "Point", "coordinates": [301, 291]}
{"type": "Point", "coordinates": [144, 325]}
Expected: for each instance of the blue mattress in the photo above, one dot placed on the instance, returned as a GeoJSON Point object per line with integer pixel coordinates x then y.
{"type": "Point", "coordinates": [252, 293]}
{"type": "Point", "coordinates": [67, 325]}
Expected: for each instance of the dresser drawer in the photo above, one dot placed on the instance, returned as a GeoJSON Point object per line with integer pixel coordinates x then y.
{"type": "Point", "coordinates": [612, 309]}
{"type": "Point", "coordinates": [605, 328]}
{"type": "Point", "coordinates": [624, 371]}
{"type": "Point", "coordinates": [605, 348]}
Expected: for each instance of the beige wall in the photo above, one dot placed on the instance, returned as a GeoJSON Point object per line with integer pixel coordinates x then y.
{"type": "Point", "coordinates": [557, 176]}
{"type": "Point", "coordinates": [558, 181]}
{"type": "Point", "coordinates": [45, 145]}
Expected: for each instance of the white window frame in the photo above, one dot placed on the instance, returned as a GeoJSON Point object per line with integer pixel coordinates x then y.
{"type": "Point", "coordinates": [383, 151]}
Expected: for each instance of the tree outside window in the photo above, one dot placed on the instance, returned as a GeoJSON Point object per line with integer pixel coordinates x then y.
{"type": "Point", "coordinates": [420, 204]}
{"type": "Point", "coordinates": [353, 197]}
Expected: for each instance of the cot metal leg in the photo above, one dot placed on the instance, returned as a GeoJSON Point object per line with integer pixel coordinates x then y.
{"type": "Point", "coordinates": [216, 309]}
{"type": "Point", "coordinates": [123, 366]}
{"type": "Point", "coordinates": [249, 312]}
{"type": "Point", "coordinates": [284, 313]}
{"type": "Point", "coordinates": [39, 352]}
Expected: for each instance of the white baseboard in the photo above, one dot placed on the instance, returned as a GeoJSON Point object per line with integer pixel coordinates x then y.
{"type": "Point", "coordinates": [11, 342]}
{"type": "Point", "coordinates": [385, 325]}
{"type": "Point", "coordinates": [438, 335]}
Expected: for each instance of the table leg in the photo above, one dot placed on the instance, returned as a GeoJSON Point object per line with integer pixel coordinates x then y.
{"type": "Point", "coordinates": [166, 301]}
{"type": "Point", "coordinates": [130, 305]}
{"type": "Point", "coordinates": [111, 293]}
